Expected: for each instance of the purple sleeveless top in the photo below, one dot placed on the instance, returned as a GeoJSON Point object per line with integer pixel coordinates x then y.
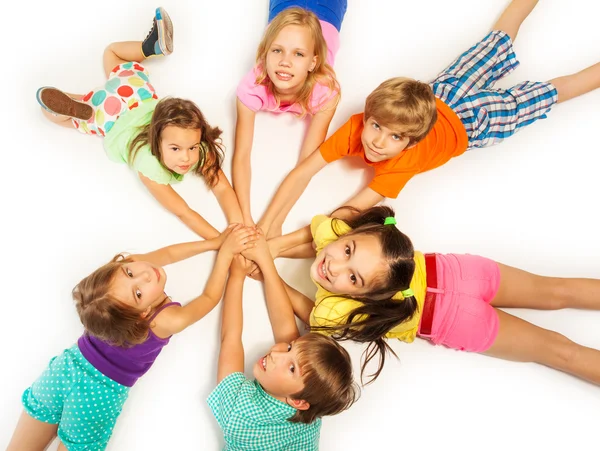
{"type": "Point", "coordinates": [123, 365]}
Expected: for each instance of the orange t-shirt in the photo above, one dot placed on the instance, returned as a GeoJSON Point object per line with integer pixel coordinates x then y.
{"type": "Point", "coordinates": [446, 139]}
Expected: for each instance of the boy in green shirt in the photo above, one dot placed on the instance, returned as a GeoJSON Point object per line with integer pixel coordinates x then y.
{"type": "Point", "coordinates": [296, 383]}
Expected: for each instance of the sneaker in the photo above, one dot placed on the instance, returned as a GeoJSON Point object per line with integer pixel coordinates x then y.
{"type": "Point", "coordinates": [160, 38]}
{"type": "Point", "coordinates": [58, 103]}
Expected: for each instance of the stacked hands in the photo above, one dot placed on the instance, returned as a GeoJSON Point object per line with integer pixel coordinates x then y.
{"type": "Point", "coordinates": [372, 285]}
{"type": "Point", "coordinates": [250, 248]}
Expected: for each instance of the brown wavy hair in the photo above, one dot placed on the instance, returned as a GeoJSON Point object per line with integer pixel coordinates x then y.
{"type": "Point", "coordinates": [378, 313]}
{"type": "Point", "coordinates": [405, 105]}
{"type": "Point", "coordinates": [329, 385]}
{"type": "Point", "coordinates": [322, 73]}
{"type": "Point", "coordinates": [102, 314]}
{"type": "Point", "coordinates": [184, 114]}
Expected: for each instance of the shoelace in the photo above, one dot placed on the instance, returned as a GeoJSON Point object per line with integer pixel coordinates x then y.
{"type": "Point", "coordinates": [151, 29]}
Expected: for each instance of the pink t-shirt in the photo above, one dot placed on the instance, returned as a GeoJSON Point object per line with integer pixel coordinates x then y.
{"type": "Point", "coordinates": [257, 98]}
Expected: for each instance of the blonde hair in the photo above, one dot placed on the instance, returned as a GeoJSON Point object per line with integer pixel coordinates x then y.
{"type": "Point", "coordinates": [405, 105]}
{"type": "Point", "coordinates": [326, 369]}
{"type": "Point", "coordinates": [105, 316]}
{"type": "Point", "coordinates": [322, 73]}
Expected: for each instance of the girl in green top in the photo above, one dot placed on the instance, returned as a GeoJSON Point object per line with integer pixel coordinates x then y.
{"type": "Point", "coordinates": [161, 140]}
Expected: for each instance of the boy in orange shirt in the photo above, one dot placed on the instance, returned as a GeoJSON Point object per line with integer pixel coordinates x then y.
{"type": "Point", "coordinates": [410, 127]}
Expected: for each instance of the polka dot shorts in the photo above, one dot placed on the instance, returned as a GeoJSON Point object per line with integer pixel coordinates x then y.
{"type": "Point", "coordinates": [127, 86]}
{"type": "Point", "coordinates": [82, 401]}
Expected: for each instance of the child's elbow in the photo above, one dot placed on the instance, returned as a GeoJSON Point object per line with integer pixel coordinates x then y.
{"type": "Point", "coordinates": [289, 335]}
{"type": "Point", "coordinates": [231, 339]}
{"type": "Point", "coordinates": [183, 213]}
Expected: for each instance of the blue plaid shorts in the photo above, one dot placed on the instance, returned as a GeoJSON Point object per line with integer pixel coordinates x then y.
{"type": "Point", "coordinates": [491, 115]}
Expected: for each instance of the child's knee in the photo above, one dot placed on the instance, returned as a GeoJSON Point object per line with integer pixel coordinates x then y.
{"type": "Point", "coordinates": [560, 352]}
{"type": "Point", "coordinates": [559, 292]}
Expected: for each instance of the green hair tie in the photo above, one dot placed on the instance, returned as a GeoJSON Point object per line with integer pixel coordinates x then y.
{"type": "Point", "coordinates": [390, 220]}
{"type": "Point", "coordinates": [407, 293]}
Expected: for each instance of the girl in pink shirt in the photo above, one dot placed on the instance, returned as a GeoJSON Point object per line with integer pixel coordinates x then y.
{"type": "Point", "coordinates": [293, 73]}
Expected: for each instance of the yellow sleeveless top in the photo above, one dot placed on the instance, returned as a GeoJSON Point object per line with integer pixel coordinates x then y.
{"type": "Point", "coordinates": [332, 309]}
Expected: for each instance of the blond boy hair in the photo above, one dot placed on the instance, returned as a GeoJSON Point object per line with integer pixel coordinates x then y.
{"type": "Point", "coordinates": [404, 105]}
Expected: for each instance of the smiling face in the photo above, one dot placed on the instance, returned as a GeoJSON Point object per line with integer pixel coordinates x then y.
{"type": "Point", "coordinates": [140, 285]}
{"type": "Point", "coordinates": [290, 57]}
{"type": "Point", "coordinates": [180, 148]}
{"type": "Point", "coordinates": [350, 265]}
{"type": "Point", "coordinates": [279, 372]}
{"type": "Point", "coordinates": [381, 143]}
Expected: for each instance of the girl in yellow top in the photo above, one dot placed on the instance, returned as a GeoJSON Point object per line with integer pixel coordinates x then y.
{"type": "Point", "coordinates": [372, 285]}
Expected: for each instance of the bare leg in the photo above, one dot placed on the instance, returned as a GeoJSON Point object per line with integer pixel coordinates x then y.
{"type": "Point", "coordinates": [525, 290]}
{"type": "Point", "coordinates": [158, 42]}
{"type": "Point", "coordinates": [31, 434]}
{"type": "Point", "coordinates": [121, 52]}
{"type": "Point", "coordinates": [521, 341]}
{"type": "Point", "coordinates": [574, 85]}
{"type": "Point", "coordinates": [513, 16]}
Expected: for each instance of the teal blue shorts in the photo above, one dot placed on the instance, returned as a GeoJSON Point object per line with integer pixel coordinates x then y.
{"type": "Point", "coordinates": [82, 401]}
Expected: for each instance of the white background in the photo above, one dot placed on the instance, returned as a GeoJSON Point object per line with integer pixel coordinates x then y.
{"type": "Point", "coordinates": [530, 202]}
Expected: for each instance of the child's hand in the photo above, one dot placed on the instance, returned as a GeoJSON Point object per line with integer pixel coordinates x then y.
{"type": "Point", "coordinates": [260, 252]}
{"type": "Point", "coordinates": [240, 266]}
{"type": "Point", "coordinates": [239, 239]}
{"type": "Point", "coordinates": [256, 274]}
{"type": "Point", "coordinates": [224, 234]}
{"type": "Point", "coordinates": [264, 228]}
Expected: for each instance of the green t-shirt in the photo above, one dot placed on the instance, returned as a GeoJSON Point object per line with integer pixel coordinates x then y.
{"type": "Point", "coordinates": [251, 419]}
{"type": "Point", "coordinates": [126, 128]}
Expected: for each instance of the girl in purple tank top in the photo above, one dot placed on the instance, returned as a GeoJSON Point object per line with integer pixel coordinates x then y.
{"type": "Point", "coordinates": [128, 319]}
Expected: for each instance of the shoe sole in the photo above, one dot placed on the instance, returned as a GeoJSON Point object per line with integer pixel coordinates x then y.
{"type": "Point", "coordinates": [58, 103]}
{"type": "Point", "coordinates": [165, 31]}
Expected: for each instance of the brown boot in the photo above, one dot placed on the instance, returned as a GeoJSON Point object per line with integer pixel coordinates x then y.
{"type": "Point", "coordinates": [58, 103]}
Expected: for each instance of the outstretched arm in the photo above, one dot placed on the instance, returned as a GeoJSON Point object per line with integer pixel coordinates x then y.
{"type": "Point", "coordinates": [306, 250]}
{"type": "Point", "coordinates": [177, 252]}
{"type": "Point", "coordinates": [239, 239]}
{"type": "Point", "coordinates": [317, 130]}
{"type": "Point", "coordinates": [173, 202]}
{"type": "Point", "coordinates": [299, 244]}
{"type": "Point", "coordinates": [279, 305]}
{"type": "Point", "coordinates": [289, 245]}
{"type": "Point", "coordinates": [302, 305]}
{"type": "Point", "coordinates": [365, 199]}
{"type": "Point", "coordinates": [244, 134]}
{"type": "Point", "coordinates": [231, 356]}
{"type": "Point", "coordinates": [227, 200]}
{"type": "Point", "coordinates": [290, 190]}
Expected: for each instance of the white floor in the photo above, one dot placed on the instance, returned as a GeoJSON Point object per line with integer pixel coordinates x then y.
{"type": "Point", "coordinates": [530, 202]}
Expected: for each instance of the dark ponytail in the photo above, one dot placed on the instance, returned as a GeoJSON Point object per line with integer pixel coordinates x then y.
{"type": "Point", "coordinates": [379, 313]}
